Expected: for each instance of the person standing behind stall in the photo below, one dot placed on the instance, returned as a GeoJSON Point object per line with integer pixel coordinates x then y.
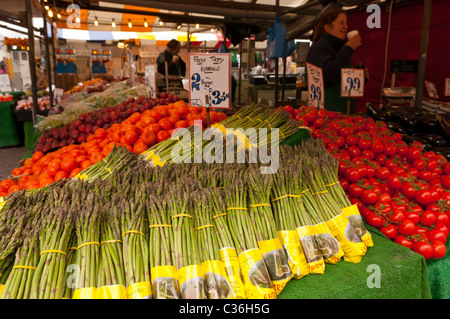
{"type": "Point", "coordinates": [176, 65]}
{"type": "Point", "coordinates": [331, 51]}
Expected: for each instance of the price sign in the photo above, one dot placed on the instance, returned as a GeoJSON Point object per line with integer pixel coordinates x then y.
{"type": "Point", "coordinates": [150, 82]}
{"type": "Point", "coordinates": [316, 91]}
{"type": "Point", "coordinates": [431, 88]}
{"type": "Point", "coordinates": [58, 94]}
{"type": "Point", "coordinates": [209, 75]}
{"type": "Point", "coordinates": [352, 82]}
{"type": "Point", "coordinates": [5, 84]}
{"type": "Point", "coordinates": [447, 87]}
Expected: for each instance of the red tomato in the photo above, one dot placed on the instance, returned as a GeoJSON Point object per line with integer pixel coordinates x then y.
{"type": "Point", "coordinates": [375, 220]}
{"type": "Point", "coordinates": [60, 175]}
{"type": "Point", "coordinates": [155, 128]}
{"type": "Point", "coordinates": [130, 137]}
{"type": "Point", "coordinates": [139, 147]}
{"type": "Point", "coordinates": [148, 138]}
{"type": "Point", "coordinates": [389, 231]}
{"type": "Point", "coordinates": [439, 249]}
{"type": "Point", "coordinates": [369, 197]}
{"type": "Point", "coordinates": [162, 135]}
{"type": "Point", "coordinates": [407, 227]}
{"type": "Point", "coordinates": [68, 165]}
{"type": "Point", "coordinates": [423, 248]}
{"type": "Point", "coordinates": [165, 124]}
{"type": "Point", "coordinates": [401, 240]}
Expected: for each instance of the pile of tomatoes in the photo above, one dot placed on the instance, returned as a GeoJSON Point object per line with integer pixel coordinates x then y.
{"type": "Point", "coordinates": [400, 189]}
{"type": "Point", "coordinates": [137, 133]}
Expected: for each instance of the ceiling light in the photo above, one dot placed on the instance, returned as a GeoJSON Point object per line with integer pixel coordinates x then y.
{"type": "Point", "coordinates": [129, 23]}
{"type": "Point", "coordinates": [197, 26]}
{"type": "Point", "coordinates": [179, 27]}
{"type": "Point", "coordinates": [96, 22]}
{"type": "Point", "coordinates": [212, 29]}
{"type": "Point", "coordinates": [59, 15]}
{"type": "Point", "coordinates": [77, 20]}
{"type": "Point", "coordinates": [47, 7]}
{"type": "Point", "coordinates": [50, 13]}
{"type": "Point", "coordinates": [161, 22]}
{"type": "Point", "coordinates": [145, 23]}
{"type": "Point", "coordinates": [113, 24]}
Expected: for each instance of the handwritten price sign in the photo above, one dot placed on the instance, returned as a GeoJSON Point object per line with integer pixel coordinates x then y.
{"type": "Point", "coordinates": [352, 82]}
{"type": "Point", "coordinates": [209, 75]}
{"type": "Point", "coordinates": [5, 84]}
{"type": "Point", "coordinates": [431, 88]}
{"type": "Point", "coordinates": [58, 93]}
{"type": "Point", "coordinates": [316, 91]}
{"type": "Point", "coordinates": [150, 83]}
{"type": "Point", "coordinates": [447, 87]}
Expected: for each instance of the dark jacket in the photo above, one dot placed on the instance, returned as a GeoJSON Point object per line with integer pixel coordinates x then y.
{"type": "Point", "coordinates": [174, 69]}
{"type": "Point", "coordinates": [331, 54]}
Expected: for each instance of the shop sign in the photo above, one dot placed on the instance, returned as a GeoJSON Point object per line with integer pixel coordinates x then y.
{"type": "Point", "coordinates": [352, 82]}
{"type": "Point", "coordinates": [5, 83]}
{"type": "Point", "coordinates": [431, 88]}
{"type": "Point", "coordinates": [315, 86]}
{"type": "Point", "coordinates": [210, 80]}
{"type": "Point", "coordinates": [150, 83]}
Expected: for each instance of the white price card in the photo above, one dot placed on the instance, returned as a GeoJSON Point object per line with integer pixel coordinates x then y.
{"type": "Point", "coordinates": [209, 75]}
{"type": "Point", "coordinates": [58, 93]}
{"type": "Point", "coordinates": [150, 82]}
{"type": "Point", "coordinates": [431, 88]}
{"type": "Point", "coordinates": [316, 89]}
{"type": "Point", "coordinates": [352, 82]}
{"type": "Point", "coordinates": [447, 86]}
{"type": "Point", "coordinates": [5, 83]}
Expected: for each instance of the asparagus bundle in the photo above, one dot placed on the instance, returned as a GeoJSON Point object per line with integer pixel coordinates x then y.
{"type": "Point", "coordinates": [217, 285]}
{"type": "Point", "coordinates": [18, 284]}
{"type": "Point", "coordinates": [111, 278]}
{"type": "Point", "coordinates": [117, 160]}
{"type": "Point", "coordinates": [57, 227]}
{"type": "Point", "coordinates": [135, 248]}
{"type": "Point", "coordinates": [265, 229]}
{"type": "Point", "coordinates": [88, 244]}
{"type": "Point", "coordinates": [302, 256]}
{"type": "Point", "coordinates": [256, 276]}
{"type": "Point", "coordinates": [187, 259]}
{"type": "Point", "coordinates": [161, 251]}
{"type": "Point", "coordinates": [339, 225]}
{"type": "Point", "coordinates": [227, 252]}
{"type": "Point", "coordinates": [70, 265]}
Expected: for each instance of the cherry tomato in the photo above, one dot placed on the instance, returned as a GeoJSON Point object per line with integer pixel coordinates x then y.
{"type": "Point", "coordinates": [412, 216]}
{"type": "Point", "coordinates": [428, 218]}
{"type": "Point", "coordinates": [407, 227]}
{"type": "Point", "coordinates": [385, 198]}
{"type": "Point", "coordinates": [355, 190]}
{"type": "Point", "coordinates": [423, 196]}
{"type": "Point", "coordinates": [369, 197]}
{"type": "Point", "coordinates": [401, 240]}
{"type": "Point", "coordinates": [425, 249]}
{"type": "Point", "coordinates": [397, 217]}
{"type": "Point", "coordinates": [389, 231]}
{"type": "Point", "coordinates": [439, 249]}
{"type": "Point", "coordinates": [408, 190]}
{"type": "Point", "coordinates": [443, 218]}
{"type": "Point", "coordinates": [394, 182]}
{"type": "Point", "coordinates": [352, 175]}
{"type": "Point", "coordinates": [375, 220]}
{"type": "Point", "coordinates": [435, 234]}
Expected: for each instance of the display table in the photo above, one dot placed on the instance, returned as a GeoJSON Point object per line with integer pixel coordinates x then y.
{"type": "Point", "coordinates": [439, 276]}
{"type": "Point", "coordinates": [403, 276]}
{"type": "Point", "coordinates": [9, 135]}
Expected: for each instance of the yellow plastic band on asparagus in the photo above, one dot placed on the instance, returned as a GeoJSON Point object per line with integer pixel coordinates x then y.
{"type": "Point", "coordinates": [132, 232]}
{"type": "Point", "coordinates": [204, 226]}
{"type": "Point", "coordinates": [159, 225]}
{"type": "Point", "coordinates": [284, 196]}
{"type": "Point", "coordinates": [110, 241]}
{"type": "Point", "coordinates": [90, 243]}
{"type": "Point", "coordinates": [24, 267]}
{"type": "Point", "coordinates": [181, 215]}
{"type": "Point", "coordinates": [72, 248]}
{"type": "Point", "coordinates": [237, 208]}
{"type": "Point", "coordinates": [332, 184]}
{"type": "Point", "coordinates": [53, 251]}
{"type": "Point", "coordinates": [284, 137]}
{"type": "Point", "coordinates": [219, 215]}
{"type": "Point", "coordinates": [259, 205]}
{"type": "Point", "coordinates": [221, 187]}
{"type": "Point", "coordinates": [320, 193]}
{"type": "Point", "coordinates": [109, 170]}
{"type": "Point", "coordinates": [268, 123]}
{"type": "Point", "coordinates": [306, 190]}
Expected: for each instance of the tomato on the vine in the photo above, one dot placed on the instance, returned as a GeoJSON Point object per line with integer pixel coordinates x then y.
{"type": "Point", "coordinates": [390, 231]}
{"type": "Point", "coordinates": [401, 240]}
{"type": "Point", "coordinates": [407, 227]}
{"type": "Point", "coordinates": [439, 249]}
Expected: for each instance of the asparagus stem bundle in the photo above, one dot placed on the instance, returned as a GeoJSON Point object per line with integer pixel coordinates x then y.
{"type": "Point", "coordinates": [135, 248]}
{"type": "Point", "coordinates": [111, 270]}
{"type": "Point", "coordinates": [70, 263]}
{"type": "Point", "coordinates": [48, 279]}
{"type": "Point", "coordinates": [161, 250]}
{"type": "Point", "coordinates": [187, 257]}
{"type": "Point", "coordinates": [18, 284]}
{"type": "Point", "coordinates": [88, 244]}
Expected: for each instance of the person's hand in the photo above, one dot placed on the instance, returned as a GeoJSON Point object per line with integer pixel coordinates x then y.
{"type": "Point", "coordinates": [354, 42]}
{"type": "Point", "coordinates": [175, 59]}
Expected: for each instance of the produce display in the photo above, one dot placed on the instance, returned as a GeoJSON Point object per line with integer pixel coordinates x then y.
{"type": "Point", "coordinates": [141, 234]}
{"type": "Point", "coordinates": [78, 103]}
{"type": "Point", "coordinates": [136, 131]}
{"type": "Point", "coordinates": [400, 188]}
{"type": "Point", "coordinates": [43, 104]}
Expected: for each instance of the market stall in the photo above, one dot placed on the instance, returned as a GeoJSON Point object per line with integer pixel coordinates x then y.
{"type": "Point", "coordinates": [292, 202]}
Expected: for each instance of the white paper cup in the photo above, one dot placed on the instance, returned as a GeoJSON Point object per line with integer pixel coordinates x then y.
{"type": "Point", "coordinates": [352, 34]}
